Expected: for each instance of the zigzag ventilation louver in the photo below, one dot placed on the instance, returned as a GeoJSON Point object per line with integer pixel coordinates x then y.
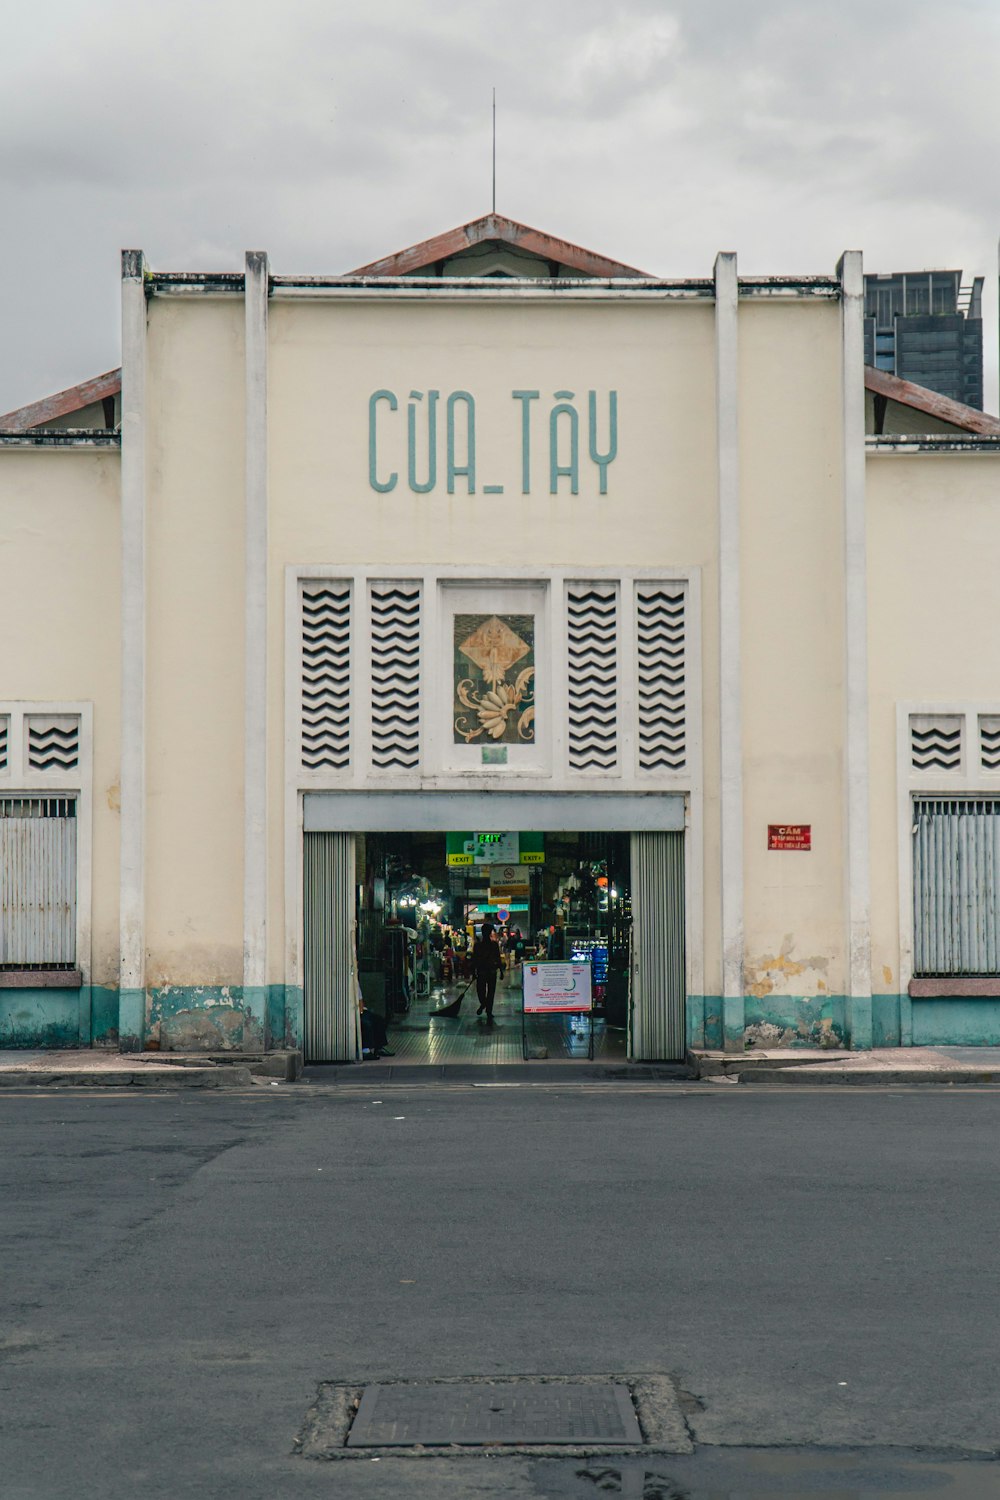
{"type": "Point", "coordinates": [53, 743]}
{"type": "Point", "coordinates": [936, 744]}
{"type": "Point", "coordinates": [4, 740]}
{"type": "Point", "coordinates": [989, 742]}
{"type": "Point", "coordinates": [395, 625]}
{"type": "Point", "coordinates": [592, 659]}
{"type": "Point", "coordinates": [326, 676]}
{"type": "Point", "coordinates": [661, 687]}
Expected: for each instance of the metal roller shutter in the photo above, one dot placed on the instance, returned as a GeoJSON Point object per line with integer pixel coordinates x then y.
{"type": "Point", "coordinates": [659, 988]}
{"type": "Point", "coordinates": [956, 886]}
{"type": "Point", "coordinates": [331, 1011]}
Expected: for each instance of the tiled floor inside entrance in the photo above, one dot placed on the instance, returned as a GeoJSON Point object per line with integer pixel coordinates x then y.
{"type": "Point", "coordinates": [420, 1037]}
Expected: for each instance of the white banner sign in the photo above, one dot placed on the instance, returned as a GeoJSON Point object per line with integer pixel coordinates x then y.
{"type": "Point", "coordinates": [555, 987]}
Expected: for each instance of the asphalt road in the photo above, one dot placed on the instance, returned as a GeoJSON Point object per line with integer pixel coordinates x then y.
{"type": "Point", "coordinates": [819, 1272]}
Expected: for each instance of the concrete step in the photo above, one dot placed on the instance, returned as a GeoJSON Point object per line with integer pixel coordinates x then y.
{"type": "Point", "coordinates": [144, 1077]}
{"type": "Point", "coordinates": [569, 1070]}
{"type": "Point", "coordinates": [872, 1076]}
{"type": "Point", "coordinates": [712, 1064]}
{"type": "Point", "coordinates": [283, 1063]}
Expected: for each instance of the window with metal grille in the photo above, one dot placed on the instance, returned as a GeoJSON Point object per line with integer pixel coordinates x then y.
{"type": "Point", "coordinates": [989, 741]}
{"type": "Point", "coordinates": [395, 675]}
{"type": "Point", "coordinates": [37, 882]}
{"type": "Point", "coordinates": [53, 742]}
{"type": "Point", "coordinates": [661, 689]}
{"type": "Point", "coordinates": [326, 675]}
{"type": "Point", "coordinates": [956, 886]}
{"type": "Point", "coordinates": [592, 675]}
{"type": "Point", "coordinates": [936, 742]}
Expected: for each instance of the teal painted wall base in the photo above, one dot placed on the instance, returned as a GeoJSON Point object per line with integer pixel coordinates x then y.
{"type": "Point", "coordinates": [131, 1019]}
{"type": "Point", "coordinates": [777, 1021]}
{"type": "Point", "coordinates": [213, 1018]}
{"type": "Point", "coordinates": [224, 1018]}
{"type": "Point", "coordinates": [896, 1021]}
{"type": "Point", "coordinates": [44, 1018]}
{"type": "Point", "coordinates": [959, 1022]}
{"type": "Point", "coordinates": [103, 1016]}
{"type": "Point", "coordinates": [704, 1022]}
{"type": "Point", "coordinates": [195, 1017]}
{"type": "Point", "coordinates": [174, 1018]}
{"type": "Point", "coordinates": [886, 1020]}
{"type": "Point", "coordinates": [795, 1021]}
{"type": "Point", "coordinates": [289, 1032]}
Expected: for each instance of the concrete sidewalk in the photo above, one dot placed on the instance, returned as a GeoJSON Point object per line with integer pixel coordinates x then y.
{"type": "Point", "coordinates": [188, 1070]}
{"type": "Point", "coordinates": [881, 1066]}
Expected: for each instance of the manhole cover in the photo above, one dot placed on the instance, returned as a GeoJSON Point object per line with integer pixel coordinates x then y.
{"type": "Point", "coordinates": [521, 1411]}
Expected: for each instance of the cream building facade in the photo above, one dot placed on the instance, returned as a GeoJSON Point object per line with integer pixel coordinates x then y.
{"type": "Point", "coordinates": [762, 588]}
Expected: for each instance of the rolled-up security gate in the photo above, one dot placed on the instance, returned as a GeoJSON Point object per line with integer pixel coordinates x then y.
{"type": "Point", "coordinates": [956, 886]}
{"type": "Point", "coordinates": [330, 999]}
{"type": "Point", "coordinates": [658, 973]}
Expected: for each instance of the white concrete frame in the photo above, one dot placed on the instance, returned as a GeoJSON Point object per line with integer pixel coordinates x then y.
{"type": "Point", "coordinates": [969, 781]}
{"type": "Point", "coordinates": [132, 963]}
{"type": "Point", "coordinates": [16, 780]}
{"type": "Point", "coordinates": [443, 598]}
{"type": "Point", "coordinates": [730, 635]}
{"type": "Point", "coordinates": [857, 827]}
{"type": "Point", "coordinates": [255, 883]}
{"type": "Point", "coordinates": [560, 777]}
{"type": "Point", "coordinates": [689, 782]}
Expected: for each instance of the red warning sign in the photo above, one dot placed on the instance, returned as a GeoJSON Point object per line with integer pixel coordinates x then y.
{"type": "Point", "coordinates": [789, 836]}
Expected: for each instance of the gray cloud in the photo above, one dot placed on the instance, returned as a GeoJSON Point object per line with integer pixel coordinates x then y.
{"type": "Point", "coordinates": [332, 133]}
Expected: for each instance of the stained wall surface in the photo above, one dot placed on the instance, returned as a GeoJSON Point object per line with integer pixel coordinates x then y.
{"type": "Point", "coordinates": [326, 360]}
{"type": "Point", "coordinates": [933, 556]}
{"type": "Point", "coordinates": [792, 612]}
{"type": "Point", "coordinates": [195, 655]}
{"type": "Point", "coordinates": [59, 556]}
{"type": "Point", "coordinates": [934, 637]}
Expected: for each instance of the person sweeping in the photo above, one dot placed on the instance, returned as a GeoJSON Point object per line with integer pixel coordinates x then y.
{"type": "Point", "coordinates": [487, 964]}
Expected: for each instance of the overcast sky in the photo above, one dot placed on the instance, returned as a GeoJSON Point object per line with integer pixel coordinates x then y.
{"type": "Point", "coordinates": [656, 131]}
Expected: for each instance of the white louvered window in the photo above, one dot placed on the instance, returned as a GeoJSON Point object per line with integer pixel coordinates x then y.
{"type": "Point", "coordinates": [661, 667]}
{"type": "Point", "coordinates": [4, 742]}
{"type": "Point", "coordinates": [989, 741]}
{"type": "Point", "coordinates": [395, 607]}
{"type": "Point", "coordinates": [936, 742]}
{"type": "Point", "coordinates": [592, 676]}
{"type": "Point", "coordinates": [53, 742]}
{"type": "Point", "coordinates": [326, 675]}
{"type": "Point", "coordinates": [595, 679]}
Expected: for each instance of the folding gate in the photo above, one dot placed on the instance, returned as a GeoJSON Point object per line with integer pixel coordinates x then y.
{"type": "Point", "coordinates": [956, 886]}
{"type": "Point", "coordinates": [331, 1021]}
{"type": "Point", "coordinates": [658, 966]}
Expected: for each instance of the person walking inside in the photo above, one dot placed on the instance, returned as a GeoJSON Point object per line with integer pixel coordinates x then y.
{"type": "Point", "coordinates": [487, 963]}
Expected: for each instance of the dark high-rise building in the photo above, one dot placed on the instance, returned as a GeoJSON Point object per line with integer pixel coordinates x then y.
{"type": "Point", "coordinates": [924, 326]}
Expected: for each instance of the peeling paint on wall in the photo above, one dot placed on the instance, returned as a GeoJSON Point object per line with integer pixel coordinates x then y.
{"type": "Point", "coordinates": [782, 974]}
{"type": "Point", "coordinates": [191, 1018]}
{"type": "Point", "coordinates": [795, 1021]}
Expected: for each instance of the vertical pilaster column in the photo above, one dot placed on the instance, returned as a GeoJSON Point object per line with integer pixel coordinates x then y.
{"type": "Point", "coordinates": [857, 865]}
{"type": "Point", "coordinates": [132, 912]}
{"type": "Point", "coordinates": [730, 685]}
{"type": "Point", "coordinates": [255, 696]}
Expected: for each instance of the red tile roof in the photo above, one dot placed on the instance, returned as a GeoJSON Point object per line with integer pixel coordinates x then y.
{"type": "Point", "coordinates": [494, 228]}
